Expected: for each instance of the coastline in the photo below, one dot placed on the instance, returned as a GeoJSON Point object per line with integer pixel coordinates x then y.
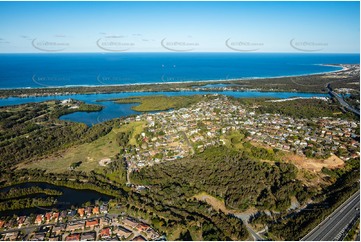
{"type": "Point", "coordinates": [264, 84]}
{"type": "Point", "coordinates": [190, 82]}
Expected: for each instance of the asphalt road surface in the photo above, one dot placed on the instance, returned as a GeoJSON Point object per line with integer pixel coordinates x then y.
{"type": "Point", "coordinates": [335, 224]}
{"type": "Point", "coordinates": [344, 104]}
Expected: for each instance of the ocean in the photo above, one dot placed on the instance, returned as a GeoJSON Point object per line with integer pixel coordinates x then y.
{"type": "Point", "coordinates": [96, 69]}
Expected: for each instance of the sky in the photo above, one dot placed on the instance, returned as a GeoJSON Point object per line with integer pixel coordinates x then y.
{"type": "Point", "coordinates": [35, 27]}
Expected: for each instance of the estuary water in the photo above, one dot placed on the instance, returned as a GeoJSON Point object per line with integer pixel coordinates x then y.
{"type": "Point", "coordinates": [113, 110]}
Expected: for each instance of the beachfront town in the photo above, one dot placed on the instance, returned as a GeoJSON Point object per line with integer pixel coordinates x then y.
{"type": "Point", "coordinates": [87, 223]}
{"type": "Point", "coordinates": [172, 135]}
{"type": "Point", "coordinates": [347, 71]}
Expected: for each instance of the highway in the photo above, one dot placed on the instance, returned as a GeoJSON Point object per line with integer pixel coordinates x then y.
{"type": "Point", "coordinates": [344, 104]}
{"type": "Point", "coordinates": [341, 101]}
{"type": "Point", "coordinates": [333, 227]}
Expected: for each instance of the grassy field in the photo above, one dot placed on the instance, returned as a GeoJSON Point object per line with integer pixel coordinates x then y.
{"type": "Point", "coordinates": [160, 103]}
{"type": "Point", "coordinates": [89, 154]}
{"type": "Point", "coordinates": [135, 129]}
{"type": "Point", "coordinates": [233, 140]}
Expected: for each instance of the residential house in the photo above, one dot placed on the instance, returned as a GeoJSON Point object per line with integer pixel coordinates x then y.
{"type": "Point", "coordinates": [81, 212]}
{"type": "Point", "coordinates": [56, 216]}
{"type": "Point", "coordinates": [88, 236]}
{"type": "Point", "coordinates": [122, 232]}
{"type": "Point", "coordinates": [48, 217]}
{"type": "Point", "coordinates": [39, 219]}
{"type": "Point", "coordinates": [88, 211]}
{"type": "Point", "coordinates": [11, 223]}
{"type": "Point", "coordinates": [92, 223]}
{"type": "Point", "coordinates": [104, 221]}
{"type": "Point", "coordinates": [151, 233]}
{"type": "Point", "coordinates": [63, 215]}
{"type": "Point", "coordinates": [139, 238]}
{"type": "Point", "coordinates": [38, 236]}
{"type": "Point", "coordinates": [21, 220]}
{"type": "Point", "coordinates": [57, 229]}
{"type": "Point", "coordinates": [75, 225]}
{"type": "Point", "coordinates": [142, 227]}
{"type": "Point", "coordinates": [104, 208]}
{"type": "Point", "coordinates": [72, 213]}
{"type": "Point", "coordinates": [73, 237]}
{"type": "Point", "coordinates": [11, 236]}
{"type": "Point", "coordinates": [130, 222]}
{"type": "Point", "coordinates": [96, 210]}
{"type": "Point", "coordinates": [105, 233]}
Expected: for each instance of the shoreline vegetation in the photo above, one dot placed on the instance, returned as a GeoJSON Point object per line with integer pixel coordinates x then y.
{"type": "Point", "coordinates": [35, 144]}
{"type": "Point", "coordinates": [18, 198]}
{"type": "Point", "coordinates": [311, 83]}
{"type": "Point", "coordinates": [20, 192]}
{"type": "Point", "coordinates": [93, 182]}
{"type": "Point", "coordinates": [24, 203]}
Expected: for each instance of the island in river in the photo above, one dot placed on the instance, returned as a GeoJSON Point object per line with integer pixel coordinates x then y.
{"type": "Point", "coordinates": [266, 158]}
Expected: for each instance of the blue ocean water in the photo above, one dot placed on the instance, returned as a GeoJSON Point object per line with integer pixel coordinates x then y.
{"type": "Point", "coordinates": [68, 69]}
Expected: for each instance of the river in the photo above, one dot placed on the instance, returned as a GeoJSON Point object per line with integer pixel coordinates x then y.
{"type": "Point", "coordinates": [113, 110]}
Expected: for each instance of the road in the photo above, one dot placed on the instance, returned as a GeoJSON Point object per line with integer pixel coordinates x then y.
{"type": "Point", "coordinates": [335, 224]}
{"type": "Point", "coordinates": [185, 135]}
{"type": "Point", "coordinates": [341, 101]}
{"type": "Point", "coordinates": [254, 234]}
{"type": "Point", "coordinates": [128, 177]}
{"type": "Point", "coordinates": [33, 227]}
{"type": "Point", "coordinates": [188, 142]}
